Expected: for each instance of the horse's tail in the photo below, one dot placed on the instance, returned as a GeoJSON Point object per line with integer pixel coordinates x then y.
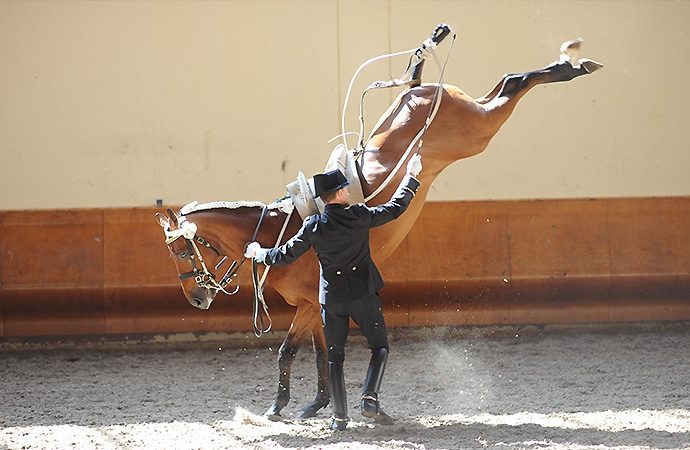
{"type": "Point", "coordinates": [440, 32]}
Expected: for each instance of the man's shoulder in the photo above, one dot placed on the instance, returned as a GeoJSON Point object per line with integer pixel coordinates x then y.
{"type": "Point", "coordinates": [358, 209]}
{"type": "Point", "coordinates": [310, 220]}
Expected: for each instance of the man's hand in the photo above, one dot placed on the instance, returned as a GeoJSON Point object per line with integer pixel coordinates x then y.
{"type": "Point", "coordinates": [255, 251]}
{"type": "Point", "coordinates": [414, 166]}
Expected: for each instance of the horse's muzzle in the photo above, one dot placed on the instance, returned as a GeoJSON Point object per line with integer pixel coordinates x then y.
{"type": "Point", "coordinates": [201, 298]}
{"type": "Point", "coordinates": [200, 303]}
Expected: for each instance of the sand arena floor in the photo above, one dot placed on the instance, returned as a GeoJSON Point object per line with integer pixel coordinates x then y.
{"type": "Point", "coordinates": [585, 387]}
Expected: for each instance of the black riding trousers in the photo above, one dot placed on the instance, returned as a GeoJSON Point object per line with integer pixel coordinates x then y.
{"type": "Point", "coordinates": [365, 312]}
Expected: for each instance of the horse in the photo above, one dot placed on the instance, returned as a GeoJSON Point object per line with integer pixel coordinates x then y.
{"type": "Point", "coordinates": [461, 127]}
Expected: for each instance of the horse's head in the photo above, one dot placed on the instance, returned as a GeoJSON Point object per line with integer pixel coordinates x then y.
{"type": "Point", "coordinates": [198, 283]}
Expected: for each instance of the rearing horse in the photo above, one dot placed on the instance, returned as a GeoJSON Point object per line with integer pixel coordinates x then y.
{"type": "Point", "coordinates": [462, 127]}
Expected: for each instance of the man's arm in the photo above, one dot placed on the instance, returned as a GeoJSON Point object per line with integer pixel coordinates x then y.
{"type": "Point", "coordinates": [397, 205]}
{"type": "Point", "coordinates": [283, 255]}
{"type": "Point", "coordinates": [401, 198]}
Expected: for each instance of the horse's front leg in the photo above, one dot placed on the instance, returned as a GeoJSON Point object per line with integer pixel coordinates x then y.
{"type": "Point", "coordinates": [286, 356]}
{"type": "Point", "coordinates": [300, 330]}
{"type": "Point", "coordinates": [323, 395]}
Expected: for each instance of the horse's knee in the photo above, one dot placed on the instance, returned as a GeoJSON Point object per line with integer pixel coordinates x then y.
{"type": "Point", "coordinates": [286, 353]}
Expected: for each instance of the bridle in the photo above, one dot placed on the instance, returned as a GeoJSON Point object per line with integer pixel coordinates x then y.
{"type": "Point", "coordinates": [206, 279]}
{"type": "Point", "coordinates": [203, 277]}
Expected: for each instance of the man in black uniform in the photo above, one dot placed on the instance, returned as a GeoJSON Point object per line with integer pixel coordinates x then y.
{"type": "Point", "coordinates": [349, 279]}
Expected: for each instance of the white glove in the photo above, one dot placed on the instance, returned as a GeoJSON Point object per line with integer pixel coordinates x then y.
{"type": "Point", "coordinates": [254, 250]}
{"type": "Point", "coordinates": [414, 166]}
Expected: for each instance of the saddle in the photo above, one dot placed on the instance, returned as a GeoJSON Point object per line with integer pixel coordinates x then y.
{"type": "Point", "coordinates": [301, 191]}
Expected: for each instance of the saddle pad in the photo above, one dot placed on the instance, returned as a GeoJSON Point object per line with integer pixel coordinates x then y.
{"type": "Point", "coordinates": [301, 191]}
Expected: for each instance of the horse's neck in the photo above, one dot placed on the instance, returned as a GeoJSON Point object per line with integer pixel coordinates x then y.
{"type": "Point", "coordinates": [227, 229]}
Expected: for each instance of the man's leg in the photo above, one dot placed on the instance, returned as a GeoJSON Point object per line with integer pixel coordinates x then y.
{"type": "Point", "coordinates": [370, 394]}
{"type": "Point", "coordinates": [336, 383]}
{"type": "Point", "coordinates": [366, 312]}
{"type": "Point", "coordinates": [336, 323]}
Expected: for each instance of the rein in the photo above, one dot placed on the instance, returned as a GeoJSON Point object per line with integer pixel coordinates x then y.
{"type": "Point", "coordinates": [259, 329]}
{"type": "Point", "coordinates": [419, 55]}
{"type": "Point", "coordinates": [419, 138]}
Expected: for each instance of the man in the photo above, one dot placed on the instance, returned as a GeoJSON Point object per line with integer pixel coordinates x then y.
{"type": "Point", "coordinates": [349, 279]}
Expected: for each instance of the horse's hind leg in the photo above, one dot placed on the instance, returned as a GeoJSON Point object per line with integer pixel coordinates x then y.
{"type": "Point", "coordinates": [493, 92]}
{"type": "Point", "coordinates": [565, 69]}
{"type": "Point", "coordinates": [440, 32]}
{"type": "Point", "coordinates": [558, 71]}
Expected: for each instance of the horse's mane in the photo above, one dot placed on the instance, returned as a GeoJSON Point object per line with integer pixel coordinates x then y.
{"type": "Point", "coordinates": [284, 204]}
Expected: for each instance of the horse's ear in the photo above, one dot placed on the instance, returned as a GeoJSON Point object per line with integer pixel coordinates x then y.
{"type": "Point", "coordinates": [163, 221]}
{"type": "Point", "coordinates": [173, 219]}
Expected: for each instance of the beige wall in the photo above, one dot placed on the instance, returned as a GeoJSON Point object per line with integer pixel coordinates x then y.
{"type": "Point", "coordinates": [115, 104]}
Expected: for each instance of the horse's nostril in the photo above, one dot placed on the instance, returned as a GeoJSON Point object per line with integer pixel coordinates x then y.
{"type": "Point", "coordinates": [196, 302]}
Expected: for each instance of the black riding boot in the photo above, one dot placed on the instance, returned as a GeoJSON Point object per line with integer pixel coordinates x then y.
{"type": "Point", "coordinates": [370, 399]}
{"type": "Point", "coordinates": [336, 381]}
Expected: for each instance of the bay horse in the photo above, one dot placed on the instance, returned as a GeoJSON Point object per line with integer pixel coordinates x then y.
{"type": "Point", "coordinates": [462, 127]}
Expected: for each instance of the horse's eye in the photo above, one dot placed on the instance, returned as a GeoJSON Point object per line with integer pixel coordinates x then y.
{"type": "Point", "coordinates": [184, 255]}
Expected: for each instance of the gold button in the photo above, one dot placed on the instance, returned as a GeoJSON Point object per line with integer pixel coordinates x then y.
{"type": "Point", "coordinates": [354, 267]}
{"type": "Point", "coordinates": [338, 272]}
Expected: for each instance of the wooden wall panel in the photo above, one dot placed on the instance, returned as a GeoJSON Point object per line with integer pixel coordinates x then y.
{"type": "Point", "coordinates": [52, 312]}
{"type": "Point", "coordinates": [650, 248]}
{"type": "Point", "coordinates": [421, 303]}
{"type": "Point", "coordinates": [52, 272]}
{"type": "Point", "coordinates": [560, 261]}
{"type": "Point", "coordinates": [141, 292]}
{"type": "Point", "coordinates": [464, 263]}
{"type": "Point", "coordinates": [52, 248]}
{"type": "Point", "coordinates": [460, 241]}
{"type": "Point", "coordinates": [451, 269]}
{"type": "Point", "coordinates": [143, 295]}
{"type": "Point", "coordinates": [158, 310]}
{"type": "Point", "coordinates": [2, 291]}
{"type": "Point", "coordinates": [135, 254]}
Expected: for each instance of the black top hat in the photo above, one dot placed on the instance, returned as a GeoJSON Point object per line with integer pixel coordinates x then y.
{"type": "Point", "coordinates": [329, 182]}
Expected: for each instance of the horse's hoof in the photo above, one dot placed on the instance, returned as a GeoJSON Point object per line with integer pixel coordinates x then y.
{"type": "Point", "coordinates": [589, 65]}
{"type": "Point", "coordinates": [573, 44]}
{"type": "Point", "coordinates": [383, 419]}
{"type": "Point", "coordinates": [273, 416]}
{"type": "Point", "coordinates": [306, 414]}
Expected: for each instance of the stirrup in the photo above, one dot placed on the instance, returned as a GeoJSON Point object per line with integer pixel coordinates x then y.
{"type": "Point", "coordinates": [338, 424]}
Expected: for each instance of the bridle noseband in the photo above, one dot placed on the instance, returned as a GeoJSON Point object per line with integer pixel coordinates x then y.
{"type": "Point", "coordinates": [204, 278]}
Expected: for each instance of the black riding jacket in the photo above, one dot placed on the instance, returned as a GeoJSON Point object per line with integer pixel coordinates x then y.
{"type": "Point", "coordinates": [340, 237]}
